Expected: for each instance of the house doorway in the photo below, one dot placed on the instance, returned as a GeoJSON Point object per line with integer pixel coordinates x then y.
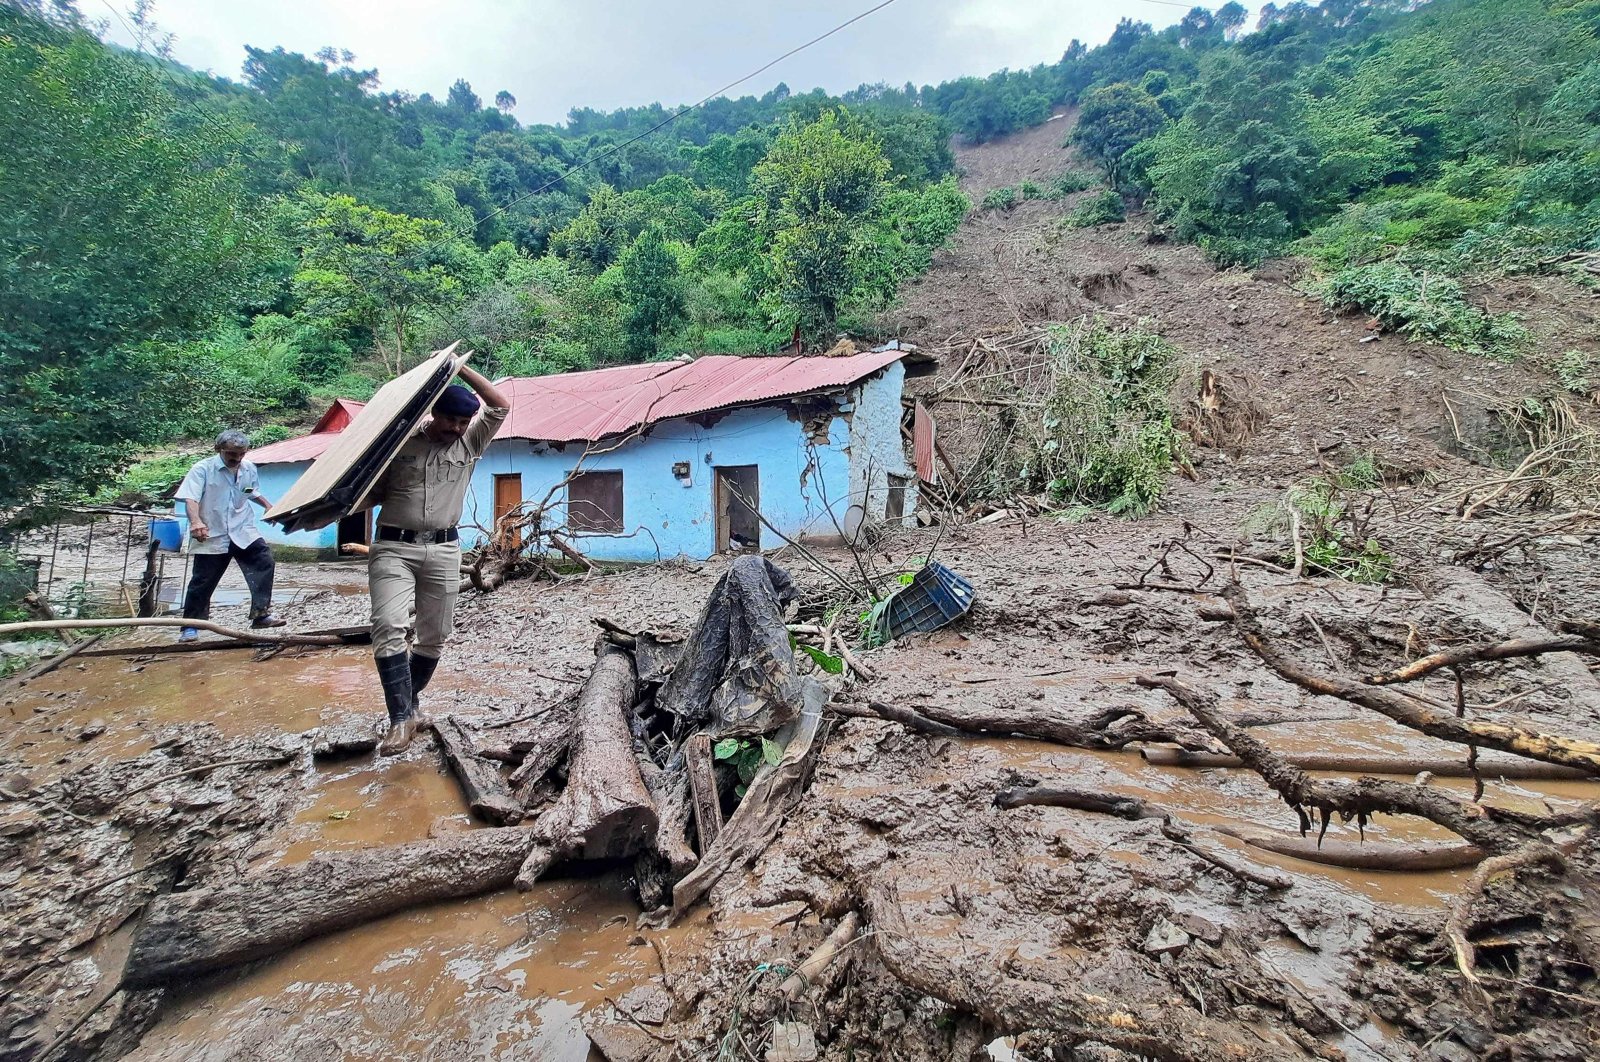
{"type": "Point", "coordinates": [738, 527]}
{"type": "Point", "coordinates": [507, 496]}
{"type": "Point", "coordinates": [355, 530]}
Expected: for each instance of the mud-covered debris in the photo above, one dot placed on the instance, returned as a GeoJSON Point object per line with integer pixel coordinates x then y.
{"type": "Point", "coordinates": [93, 730]}
{"type": "Point", "coordinates": [338, 742]}
{"type": "Point", "coordinates": [1165, 938]}
{"type": "Point", "coordinates": [792, 1041]}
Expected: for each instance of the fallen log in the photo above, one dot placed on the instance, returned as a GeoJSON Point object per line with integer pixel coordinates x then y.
{"type": "Point", "coordinates": [1364, 855]}
{"type": "Point", "coordinates": [190, 933]}
{"type": "Point", "coordinates": [482, 784]}
{"type": "Point", "coordinates": [545, 740]}
{"type": "Point", "coordinates": [669, 856]}
{"type": "Point", "coordinates": [1551, 748]}
{"type": "Point", "coordinates": [1474, 654]}
{"type": "Point", "coordinates": [49, 664]}
{"type": "Point", "coordinates": [976, 980]}
{"type": "Point", "coordinates": [605, 811]}
{"type": "Point", "coordinates": [1490, 828]}
{"type": "Point", "coordinates": [1112, 729]}
{"type": "Point", "coordinates": [1358, 763]}
{"type": "Point", "coordinates": [1128, 807]}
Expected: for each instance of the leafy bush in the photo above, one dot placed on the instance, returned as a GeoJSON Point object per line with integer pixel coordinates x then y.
{"type": "Point", "coordinates": [1031, 190]}
{"type": "Point", "coordinates": [1001, 199]}
{"type": "Point", "coordinates": [150, 481]}
{"type": "Point", "coordinates": [1066, 184]}
{"type": "Point", "coordinates": [1108, 437]}
{"type": "Point", "coordinates": [1332, 532]}
{"type": "Point", "coordinates": [1429, 307]}
{"type": "Point", "coordinates": [1578, 372]}
{"type": "Point", "coordinates": [270, 433]}
{"type": "Point", "coordinates": [354, 385]}
{"type": "Point", "coordinates": [1100, 209]}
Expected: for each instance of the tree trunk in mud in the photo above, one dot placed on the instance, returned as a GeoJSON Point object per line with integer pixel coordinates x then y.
{"type": "Point", "coordinates": [1365, 855]}
{"type": "Point", "coordinates": [1551, 748]}
{"type": "Point", "coordinates": [980, 982]}
{"type": "Point", "coordinates": [190, 933]}
{"type": "Point", "coordinates": [544, 740]}
{"type": "Point", "coordinates": [1358, 763]}
{"type": "Point", "coordinates": [485, 788]}
{"type": "Point", "coordinates": [605, 812]}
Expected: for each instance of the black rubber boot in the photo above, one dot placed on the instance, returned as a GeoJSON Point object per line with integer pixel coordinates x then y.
{"type": "Point", "coordinates": [394, 672]}
{"type": "Point", "coordinates": [422, 669]}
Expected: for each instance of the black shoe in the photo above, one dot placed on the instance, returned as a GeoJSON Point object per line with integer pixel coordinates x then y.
{"type": "Point", "coordinates": [268, 621]}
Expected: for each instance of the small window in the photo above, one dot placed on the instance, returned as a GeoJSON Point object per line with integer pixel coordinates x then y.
{"type": "Point", "coordinates": [594, 502]}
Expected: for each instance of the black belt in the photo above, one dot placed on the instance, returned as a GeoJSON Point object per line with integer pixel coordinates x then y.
{"type": "Point", "coordinates": [405, 534]}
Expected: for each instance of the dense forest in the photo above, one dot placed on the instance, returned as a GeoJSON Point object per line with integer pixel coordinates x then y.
{"type": "Point", "coordinates": [181, 251]}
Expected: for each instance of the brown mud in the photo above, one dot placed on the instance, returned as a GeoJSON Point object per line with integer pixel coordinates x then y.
{"type": "Point", "coordinates": [1035, 905]}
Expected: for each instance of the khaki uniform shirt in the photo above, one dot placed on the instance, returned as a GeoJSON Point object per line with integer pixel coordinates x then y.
{"type": "Point", "coordinates": [425, 485]}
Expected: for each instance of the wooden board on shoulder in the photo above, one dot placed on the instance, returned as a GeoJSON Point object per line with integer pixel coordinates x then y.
{"type": "Point", "coordinates": [341, 481]}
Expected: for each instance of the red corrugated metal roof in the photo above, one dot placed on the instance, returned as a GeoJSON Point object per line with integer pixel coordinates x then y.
{"type": "Point", "coordinates": [587, 406]}
{"type": "Point", "coordinates": [310, 447]}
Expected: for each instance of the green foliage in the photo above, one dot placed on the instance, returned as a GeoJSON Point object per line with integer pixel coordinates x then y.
{"type": "Point", "coordinates": [1100, 209]}
{"type": "Point", "coordinates": [829, 663]}
{"type": "Point", "coordinates": [1112, 121]}
{"type": "Point", "coordinates": [1328, 514]}
{"type": "Point", "coordinates": [122, 223]}
{"type": "Point", "coordinates": [746, 755]}
{"type": "Point", "coordinates": [1031, 190]}
{"type": "Point", "coordinates": [150, 481]}
{"type": "Point", "coordinates": [1106, 435]}
{"type": "Point", "coordinates": [1066, 184]}
{"type": "Point", "coordinates": [1000, 198]}
{"type": "Point", "coordinates": [1426, 306]}
{"type": "Point", "coordinates": [1578, 372]}
{"type": "Point", "coordinates": [653, 292]}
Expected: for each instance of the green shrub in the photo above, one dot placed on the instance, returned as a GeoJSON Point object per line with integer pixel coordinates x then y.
{"type": "Point", "coordinates": [270, 433]}
{"type": "Point", "coordinates": [1099, 209]}
{"type": "Point", "coordinates": [1001, 199]}
{"type": "Point", "coordinates": [1072, 181]}
{"type": "Point", "coordinates": [1107, 437]}
{"type": "Point", "coordinates": [1429, 307]}
{"type": "Point", "coordinates": [149, 481]}
{"type": "Point", "coordinates": [354, 385]}
{"type": "Point", "coordinates": [1578, 372]}
{"type": "Point", "coordinates": [1031, 190]}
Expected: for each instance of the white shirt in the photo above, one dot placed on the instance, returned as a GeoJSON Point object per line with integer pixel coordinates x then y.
{"type": "Point", "coordinates": [225, 505]}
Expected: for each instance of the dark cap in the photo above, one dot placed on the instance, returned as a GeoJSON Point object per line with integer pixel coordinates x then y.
{"type": "Point", "coordinates": [456, 401]}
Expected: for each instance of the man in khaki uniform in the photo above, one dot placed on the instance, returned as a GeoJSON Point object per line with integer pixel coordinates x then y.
{"type": "Point", "coordinates": [416, 553]}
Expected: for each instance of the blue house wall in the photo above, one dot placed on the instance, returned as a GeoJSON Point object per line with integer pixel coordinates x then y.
{"type": "Point", "coordinates": [813, 484]}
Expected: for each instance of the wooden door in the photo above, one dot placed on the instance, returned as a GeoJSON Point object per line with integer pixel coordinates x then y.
{"type": "Point", "coordinates": [738, 497]}
{"type": "Point", "coordinates": [507, 496]}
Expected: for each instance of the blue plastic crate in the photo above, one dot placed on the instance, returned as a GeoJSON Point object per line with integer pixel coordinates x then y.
{"type": "Point", "coordinates": [935, 597]}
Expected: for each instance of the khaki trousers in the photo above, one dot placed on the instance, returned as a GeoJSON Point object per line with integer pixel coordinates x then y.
{"type": "Point", "coordinates": [400, 574]}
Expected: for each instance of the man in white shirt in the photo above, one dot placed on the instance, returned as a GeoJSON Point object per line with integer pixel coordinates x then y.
{"type": "Point", "coordinates": [217, 495]}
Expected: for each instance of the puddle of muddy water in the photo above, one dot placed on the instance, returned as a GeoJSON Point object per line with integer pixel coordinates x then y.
{"type": "Point", "coordinates": [135, 698]}
{"type": "Point", "coordinates": [502, 976]}
{"type": "Point", "coordinates": [1238, 797]}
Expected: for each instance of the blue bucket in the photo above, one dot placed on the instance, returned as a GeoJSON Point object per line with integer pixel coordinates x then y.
{"type": "Point", "coordinates": [168, 534]}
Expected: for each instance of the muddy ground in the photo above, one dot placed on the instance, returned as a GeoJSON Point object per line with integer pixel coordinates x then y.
{"type": "Point", "coordinates": [985, 928]}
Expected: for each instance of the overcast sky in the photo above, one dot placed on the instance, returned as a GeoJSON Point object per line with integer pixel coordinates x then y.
{"type": "Point", "coordinates": [553, 55]}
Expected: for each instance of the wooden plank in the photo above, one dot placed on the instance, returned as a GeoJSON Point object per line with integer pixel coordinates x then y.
{"type": "Point", "coordinates": [368, 444]}
{"type": "Point", "coordinates": [703, 790]}
{"type": "Point", "coordinates": [481, 781]}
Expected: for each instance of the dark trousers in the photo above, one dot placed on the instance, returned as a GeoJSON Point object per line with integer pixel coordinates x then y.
{"type": "Point", "coordinates": [205, 572]}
